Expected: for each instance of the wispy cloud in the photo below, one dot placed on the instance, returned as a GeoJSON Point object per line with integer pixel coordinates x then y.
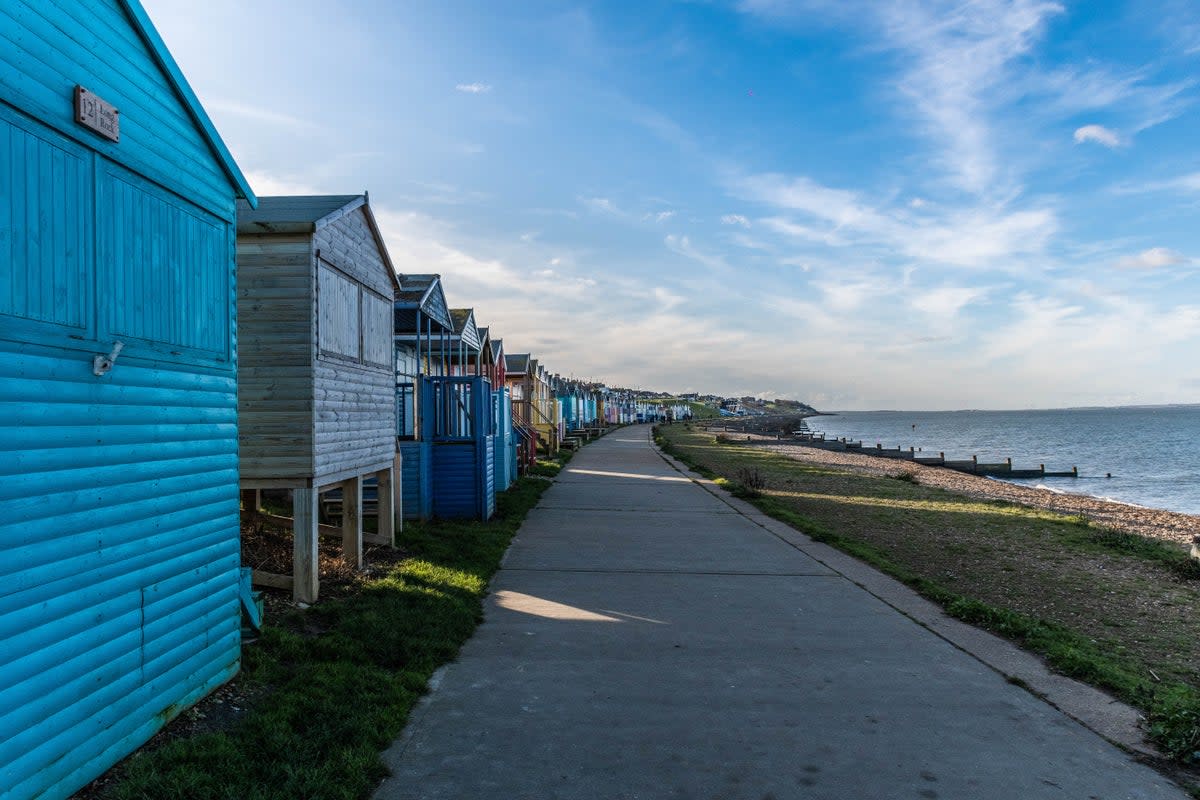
{"type": "Point", "coordinates": [684, 247]}
{"type": "Point", "coordinates": [258, 113]}
{"type": "Point", "coordinates": [976, 237]}
{"type": "Point", "coordinates": [602, 205]}
{"type": "Point", "coordinates": [735, 219]}
{"type": "Point", "coordinates": [474, 88]}
{"type": "Point", "coordinates": [268, 184]}
{"type": "Point", "coordinates": [659, 216]}
{"type": "Point", "coordinates": [960, 54]}
{"type": "Point", "coordinates": [947, 301]}
{"type": "Point", "coordinates": [1098, 134]}
{"type": "Point", "coordinates": [1188, 182]}
{"type": "Point", "coordinates": [1154, 258]}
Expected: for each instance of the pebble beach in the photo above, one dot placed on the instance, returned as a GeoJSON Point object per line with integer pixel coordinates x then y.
{"type": "Point", "coordinates": [1166, 525]}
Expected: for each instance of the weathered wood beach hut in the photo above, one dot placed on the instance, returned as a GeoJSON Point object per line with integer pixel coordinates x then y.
{"type": "Point", "coordinates": [119, 570]}
{"type": "Point", "coordinates": [316, 380]}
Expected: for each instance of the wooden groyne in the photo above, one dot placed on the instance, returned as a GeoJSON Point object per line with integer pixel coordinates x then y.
{"type": "Point", "coordinates": [973, 466]}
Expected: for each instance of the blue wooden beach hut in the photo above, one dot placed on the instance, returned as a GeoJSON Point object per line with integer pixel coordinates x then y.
{"type": "Point", "coordinates": [120, 583]}
{"type": "Point", "coordinates": [443, 406]}
{"type": "Point", "coordinates": [421, 320]}
{"type": "Point", "coordinates": [502, 414]}
{"type": "Point", "coordinates": [463, 428]}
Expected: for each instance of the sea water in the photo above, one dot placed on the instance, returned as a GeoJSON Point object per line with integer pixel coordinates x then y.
{"type": "Point", "coordinates": [1150, 451]}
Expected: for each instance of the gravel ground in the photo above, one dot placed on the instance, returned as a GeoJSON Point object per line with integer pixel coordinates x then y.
{"type": "Point", "coordinates": [1168, 525]}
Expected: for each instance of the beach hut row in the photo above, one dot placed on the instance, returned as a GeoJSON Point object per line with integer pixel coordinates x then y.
{"type": "Point", "coordinates": [172, 347]}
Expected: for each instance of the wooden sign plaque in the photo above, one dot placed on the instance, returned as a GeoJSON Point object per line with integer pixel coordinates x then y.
{"type": "Point", "coordinates": [95, 114]}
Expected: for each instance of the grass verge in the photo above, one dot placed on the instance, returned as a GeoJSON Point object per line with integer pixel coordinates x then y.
{"type": "Point", "coordinates": [335, 683]}
{"type": "Point", "coordinates": [1102, 606]}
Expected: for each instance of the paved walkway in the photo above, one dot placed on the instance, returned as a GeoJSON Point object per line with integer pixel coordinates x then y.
{"type": "Point", "coordinates": [646, 639]}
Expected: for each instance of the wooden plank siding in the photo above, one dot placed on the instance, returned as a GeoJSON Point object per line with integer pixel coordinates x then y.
{"type": "Point", "coordinates": [120, 581]}
{"type": "Point", "coordinates": [276, 353]}
{"type": "Point", "coordinates": [416, 479]}
{"type": "Point", "coordinates": [51, 45]}
{"type": "Point", "coordinates": [355, 398]}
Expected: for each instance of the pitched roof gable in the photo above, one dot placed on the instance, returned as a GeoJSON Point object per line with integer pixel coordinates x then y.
{"type": "Point", "coordinates": [149, 34]}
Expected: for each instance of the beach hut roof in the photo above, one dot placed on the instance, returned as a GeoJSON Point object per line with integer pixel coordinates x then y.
{"type": "Point", "coordinates": [149, 34]}
{"type": "Point", "coordinates": [486, 355]}
{"type": "Point", "coordinates": [464, 326]}
{"type": "Point", "coordinates": [309, 213]}
{"type": "Point", "coordinates": [516, 363]}
{"type": "Point", "coordinates": [421, 293]}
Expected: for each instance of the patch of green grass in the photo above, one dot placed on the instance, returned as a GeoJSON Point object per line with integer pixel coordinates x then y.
{"type": "Point", "coordinates": [549, 466]}
{"type": "Point", "coordinates": [337, 681]}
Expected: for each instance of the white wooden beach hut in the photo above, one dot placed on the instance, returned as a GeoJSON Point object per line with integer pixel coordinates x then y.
{"type": "Point", "coordinates": [316, 379]}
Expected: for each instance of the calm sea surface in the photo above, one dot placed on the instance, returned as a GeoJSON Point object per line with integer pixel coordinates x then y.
{"type": "Point", "coordinates": [1151, 451]}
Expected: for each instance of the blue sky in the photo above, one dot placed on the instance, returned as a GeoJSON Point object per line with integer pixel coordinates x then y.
{"type": "Point", "coordinates": [859, 204]}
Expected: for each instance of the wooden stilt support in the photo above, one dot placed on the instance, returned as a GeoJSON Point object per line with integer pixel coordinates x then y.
{"type": "Point", "coordinates": [305, 575]}
{"type": "Point", "coordinates": [352, 535]}
{"type": "Point", "coordinates": [387, 509]}
{"type": "Point", "coordinates": [250, 504]}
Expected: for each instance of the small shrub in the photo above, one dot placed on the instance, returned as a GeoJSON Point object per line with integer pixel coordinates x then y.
{"type": "Point", "coordinates": [908, 476]}
{"type": "Point", "coordinates": [751, 481]}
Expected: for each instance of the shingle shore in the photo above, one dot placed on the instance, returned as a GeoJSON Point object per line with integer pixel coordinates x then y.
{"type": "Point", "coordinates": [1168, 525]}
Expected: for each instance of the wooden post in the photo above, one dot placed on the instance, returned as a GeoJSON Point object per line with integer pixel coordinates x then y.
{"type": "Point", "coordinates": [250, 504]}
{"type": "Point", "coordinates": [387, 505]}
{"type": "Point", "coordinates": [305, 579]}
{"type": "Point", "coordinates": [352, 543]}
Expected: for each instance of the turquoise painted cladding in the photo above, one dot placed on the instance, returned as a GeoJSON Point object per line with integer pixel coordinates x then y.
{"type": "Point", "coordinates": [47, 47]}
{"type": "Point", "coordinates": [416, 478]}
{"type": "Point", "coordinates": [119, 529]}
{"type": "Point", "coordinates": [505, 468]}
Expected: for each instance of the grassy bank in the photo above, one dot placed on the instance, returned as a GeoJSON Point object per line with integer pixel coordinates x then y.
{"type": "Point", "coordinates": [332, 685]}
{"type": "Point", "coordinates": [1108, 608]}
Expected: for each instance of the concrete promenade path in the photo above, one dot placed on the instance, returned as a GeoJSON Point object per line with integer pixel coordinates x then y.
{"type": "Point", "coordinates": [649, 638]}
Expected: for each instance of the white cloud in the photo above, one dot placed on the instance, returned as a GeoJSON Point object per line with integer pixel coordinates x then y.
{"type": "Point", "coordinates": [961, 54]}
{"type": "Point", "coordinates": [684, 247]}
{"type": "Point", "coordinates": [1154, 258]}
{"type": "Point", "coordinates": [1189, 182]}
{"type": "Point", "coordinates": [946, 301]}
{"type": "Point", "coordinates": [260, 114]}
{"type": "Point", "coordinates": [266, 184]}
{"type": "Point", "coordinates": [661, 216]}
{"type": "Point", "coordinates": [735, 219]}
{"type": "Point", "coordinates": [474, 88]}
{"type": "Point", "coordinates": [1098, 134]}
{"type": "Point", "coordinates": [602, 204]}
{"type": "Point", "coordinates": [979, 237]}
